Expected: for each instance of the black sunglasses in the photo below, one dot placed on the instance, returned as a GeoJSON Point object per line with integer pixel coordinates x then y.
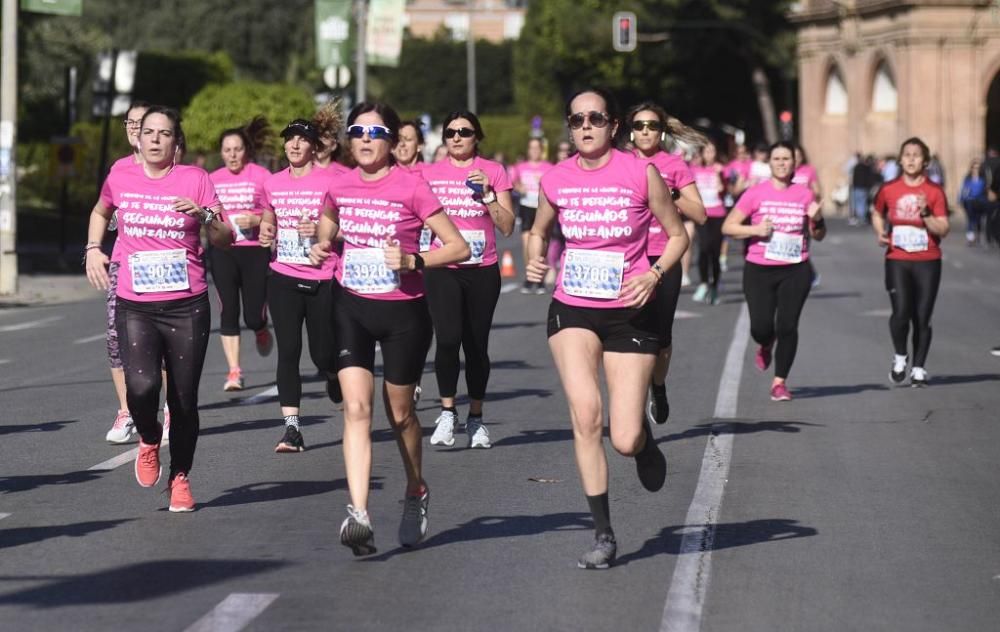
{"type": "Point", "coordinates": [639, 126]}
{"type": "Point", "coordinates": [464, 132]}
{"type": "Point", "coordinates": [597, 119]}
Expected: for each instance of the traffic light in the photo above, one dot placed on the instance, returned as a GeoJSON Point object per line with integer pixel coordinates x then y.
{"type": "Point", "coordinates": [787, 125]}
{"type": "Point", "coordinates": [623, 32]}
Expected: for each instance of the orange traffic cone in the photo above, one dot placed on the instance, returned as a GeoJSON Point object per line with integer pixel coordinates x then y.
{"type": "Point", "coordinates": [507, 269]}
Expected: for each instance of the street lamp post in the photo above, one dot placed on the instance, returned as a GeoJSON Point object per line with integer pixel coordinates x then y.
{"type": "Point", "coordinates": [470, 62]}
{"type": "Point", "coordinates": [8, 146]}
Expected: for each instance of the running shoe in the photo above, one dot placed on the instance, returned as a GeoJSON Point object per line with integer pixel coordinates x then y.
{"type": "Point", "coordinates": [265, 341]}
{"type": "Point", "coordinates": [181, 500]}
{"type": "Point", "coordinates": [995, 351]}
{"type": "Point", "coordinates": [122, 430]}
{"type": "Point", "coordinates": [479, 436]}
{"type": "Point", "coordinates": [762, 359]}
{"type": "Point", "coordinates": [918, 377]}
{"type": "Point", "coordinates": [416, 394]}
{"type": "Point", "coordinates": [601, 555]}
{"type": "Point", "coordinates": [333, 389]}
{"type": "Point", "coordinates": [413, 525]}
{"type": "Point", "coordinates": [234, 381]}
{"type": "Point", "coordinates": [357, 533]}
{"type": "Point", "coordinates": [444, 431]}
{"type": "Point", "coordinates": [780, 393]}
{"type": "Point", "coordinates": [685, 281]}
{"type": "Point", "coordinates": [657, 407]}
{"type": "Point", "coordinates": [147, 464]}
{"type": "Point", "coordinates": [166, 421]}
{"type": "Point", "coordinates": [291, 441]}
{"type": "Point", "coordinates": [540, 289]}
{"type": "Point", "coordinates": [650, 464]}
{"type": "Point", "coordinates": [897, 373]}
{"type": "Point", "coordinates": [701, 293]}
{"type": "Point", "coordinates": [527, 288]}
{"type": "Point", "coordinates": [713, 296]}
{"type": "Point", "coordinates": [723, 264]}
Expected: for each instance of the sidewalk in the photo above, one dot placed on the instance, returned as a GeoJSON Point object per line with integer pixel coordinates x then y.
{"type": "Point", "coordinates": [49, 289]}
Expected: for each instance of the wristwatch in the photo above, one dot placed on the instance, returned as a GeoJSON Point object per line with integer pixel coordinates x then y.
{"type": "Point", "coordinates": [926, 212]}
{"type": "Point", "coordinates": [490, 197]}
{"type": "Point", "coordinates": [208, 215]}
{"type": "Point", "coordinates": [418, 262]}
{"type": "Point", "coordinates": [675, 194]}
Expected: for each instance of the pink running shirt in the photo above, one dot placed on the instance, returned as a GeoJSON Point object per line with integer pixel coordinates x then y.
{"type": "Point", "coordinates": [468, 214]}
{"type": "Point", "coordinates": [787, 208]}
{"type": "Point", "coordinates": [805, 175]}
{"type": "Point", "coordinates": [290, 198]}
{"type": "Point", "coordinates": [530, 175]}
{"type": "Point", "coordinates": [125, 162]}
{"type": "Point", "coordinates": [604, 216]}
{"type": "Point", "coordinates": [159, 249]}
{"type": "Point", "coordinates": [676, 173]}
{"type": "Point", "coordinates": [395, 206]}
{"type": "Point", "coordinates": [709, 181]}
{"type": "Point", "coordinates": [241, 194]}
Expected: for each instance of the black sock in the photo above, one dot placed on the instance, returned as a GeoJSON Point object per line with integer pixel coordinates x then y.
{"type": "Point", "coordinates": [601, 512]}
{"type": "Point", "coordinates": [450, 409]}
{"type": "Point", "coordinates": [659, 389]}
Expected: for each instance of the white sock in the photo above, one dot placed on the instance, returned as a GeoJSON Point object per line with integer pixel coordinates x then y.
{"type": "Point", "coordinates": [898, 362]}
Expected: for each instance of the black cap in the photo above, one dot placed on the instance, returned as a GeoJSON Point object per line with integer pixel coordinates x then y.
{"type": "Point", "coordinates": [303, 128]}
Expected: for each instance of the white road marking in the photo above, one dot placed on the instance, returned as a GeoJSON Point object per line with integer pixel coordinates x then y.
{"type": "Point", "coordinates": [881, 313]}
{"type": "Point", "coordinates": [6, 361]}
{"type": "Point", "coordinates": [684, 314]}
{"type": "Point", "coordinates": [4, 515]}
{"type": "Point", "coordinates": [958, 264]}
{"type": "Point", "coordinates": [94, 338]}
{"type": "Point", "coordinates": [41, 322]}
{"type": "Point", "coordinates": [234, 612]}
{"type": "Point", "coordinates": [509, 287]}
{"type": "Point", "coordinates": [262, 396]}
{"type": "Point", "coordinates": [689, 585]}
{"type": "Point", "coordinates": [122, 459]}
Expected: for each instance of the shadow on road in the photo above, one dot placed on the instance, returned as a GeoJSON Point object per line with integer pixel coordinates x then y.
{"type": "Point", "coordinates": [738, 428]}
{"type": "Point", "coordinates": [490, 527]}
{"type": "Point", "coordinates": [274, 423]}
{"type": "Point", "coordinates": [45, 426]}
{"type": "Point", "coordinates": [964, 379]}
{"type": "Point", "coordinates": [527, 324]}
{"type": "Point", "coordinates": [806, 392]}
{"type": "Point", "coordinates": [538, 436]}
{"type": "Point", "coordinates": [726, 536]}
{"type": "Point", "coordinates": [278, 490]}
{"type": "Point", "coordinates": [135, 582]}
{"type": "Point", "coordinates": [821, 295]}
{"type": "Point", "coordinates": [14, 484]}
{"type": "Point", "coordinates": [31, 535]}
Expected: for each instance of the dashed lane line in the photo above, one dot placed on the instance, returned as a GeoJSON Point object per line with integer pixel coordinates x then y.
{"type": "Point", "coordinates": [234, 612]}
{"type": "Point", "coordinates": [94, 338]}
{"type": "Point", "coordinates": [41, 322]}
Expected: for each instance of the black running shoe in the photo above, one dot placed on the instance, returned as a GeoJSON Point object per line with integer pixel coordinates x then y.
{"type": "Point", "coordinates": [897, 372]}
{"type": "Point", "coordinates": [333, 389]}
{"type": "Point", "coordinates": [657, 408]}
{"type": "Point", "coordinates": [650, 464]}
{"type": "Point", "coordinates": [291, 442]}
{"type": "Point", "coordinates": [601, 555]}
{"type": "Point", "coordinates": [356, 532]}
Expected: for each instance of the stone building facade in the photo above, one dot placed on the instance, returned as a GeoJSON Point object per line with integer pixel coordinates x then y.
{"type": "Point", "coordinates": [875, 72]}
{"type": "Point", "coordinates": [493, 20]}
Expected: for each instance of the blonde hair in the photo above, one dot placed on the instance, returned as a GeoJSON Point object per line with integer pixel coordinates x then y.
{"type": "Point", "coordinates": [687, 137]}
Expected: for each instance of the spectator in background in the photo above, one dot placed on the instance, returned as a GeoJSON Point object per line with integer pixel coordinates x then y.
{"type": "Point", "coordinates": [863, 179]}
{"type": "Point", "coordinates": [973, 200]}
{"type": "Point", "coordinates": [890, 169]}
{"type": "Point", "coordinates": [935, 171]}
{"type": "Point", "coordinates": [991, 176]}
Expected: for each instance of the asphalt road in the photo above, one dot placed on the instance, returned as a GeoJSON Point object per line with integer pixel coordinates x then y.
{"type": "Point", "coordinates": [855, 506]}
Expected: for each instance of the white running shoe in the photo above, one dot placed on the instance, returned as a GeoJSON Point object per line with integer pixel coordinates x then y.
{"type": "Point", "coordinates": [357, 533]}
{"type": "Point", "coordinates": [701, 294]}
{"type": "Point", "coordinates": [444, 432]}
{"type": "Point", "coordinates": [417, 392]}
{"type": "Point", "coordinates": [479, 436]}
{"type": "Point", "coordinates": [122, 430]}
{"type": "Point", "coordinates": [166, 422]}
{"type": "Point", "coordinates": [685, 281]}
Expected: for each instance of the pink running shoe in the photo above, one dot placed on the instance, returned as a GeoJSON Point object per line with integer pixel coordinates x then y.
{"type": "Point", "coordinates": [180, 494]}
{"type": "Point", "coordinates": [234, 381]}
{"type": "Point", "coordinates": [147, 464]}
{"type": "Point", "coordinates": [763, 358]}
{"type": "Point", "coordinates": [265, 342]}
{"type": "Point", "coordinates": [779, 393]}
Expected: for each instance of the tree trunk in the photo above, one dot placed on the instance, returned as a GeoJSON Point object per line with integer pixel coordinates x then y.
{"type": "Point", "coordinates": [765, 103]}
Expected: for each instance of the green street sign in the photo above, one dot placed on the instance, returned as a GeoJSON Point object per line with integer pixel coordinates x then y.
{"type": "Point", "coordinates": [54, 7]}
{"type": "Point", "coordinates": [333, 33]}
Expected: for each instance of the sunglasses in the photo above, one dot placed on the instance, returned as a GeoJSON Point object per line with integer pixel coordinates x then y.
{"type": "Point", "coordinates": [464, 132]}
{"type": "Point", "coordinates": [639, 126]}
{"type": "Point", "coordinates": [375, 132]}
{"type": "Point", "coordinates": [597, 119]}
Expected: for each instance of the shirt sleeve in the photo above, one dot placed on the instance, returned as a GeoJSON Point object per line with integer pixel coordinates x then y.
{"type": "Point", "coordinates": [748, 204]}
{"type": "Point", "coordinates": [424, 203]}
{"type": "Point", "coordinates": [206, 191]}
{"type": "Point", "coordinates": [880, 202]}
{"type": "Point", "coordinates": [938, 203]}
{"type": "Point", "coordinates": [499, 179]}
{"type": "Point", "coordinates": [107, 196]}
{"type": "Point", "coordinates": [681, 175]}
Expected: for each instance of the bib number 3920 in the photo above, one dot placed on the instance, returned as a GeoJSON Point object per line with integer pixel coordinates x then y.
{"type": "Point", "coordinates": [784, 247]}
{"type": "Point", "coordinates": [365, 272]}
{"type": "Point", "coordinates": [593, 274]}
{"type": "Point", "coordinates": [159, 271]}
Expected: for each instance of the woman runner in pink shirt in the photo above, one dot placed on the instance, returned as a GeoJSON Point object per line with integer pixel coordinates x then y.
{"type": "Point", "coordinates": [605, 201]}
{"type": "Point", "coordinates": [379, 210]}
{"type": "Point", "coordinates": [777, 276]}
{"type": "Point", "coordinates": [650, 125]}
{"type": "Point", "coordinates": [708, 178]}
{"type": "Point", "coordinates": [163, 314]}
{"type": "Point", "coordinates": [241, 271]}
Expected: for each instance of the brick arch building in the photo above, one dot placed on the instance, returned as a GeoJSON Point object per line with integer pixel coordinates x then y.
{"type": "Point", "coordinates": [875, 72]}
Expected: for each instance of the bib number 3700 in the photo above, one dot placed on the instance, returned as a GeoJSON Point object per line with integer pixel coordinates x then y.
{"type": "Point", "coordinates": [593, 274]}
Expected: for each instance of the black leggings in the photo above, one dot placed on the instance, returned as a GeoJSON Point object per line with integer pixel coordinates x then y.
{"type": "Point", "coordinates": [235, 270]}
{"type": "Point", "coordinates": [913, 288]}
{"type": "Point", "coordinates": [709, 249]}
{"type": "Point", "coordinates": [293, 301]}
{"type": "Point", "coordinates": [665, 302]}
{"type": "Point", "coordinates": [461, 304]}
{"type": "Point", "coordinates": [171, 335]}
{"type": "Point", "coordinates": [775, 296]}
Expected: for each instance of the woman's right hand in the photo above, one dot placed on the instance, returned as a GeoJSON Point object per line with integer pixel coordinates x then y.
{"type": "Point", "coordinates": [319, 253]}
{"type": "Point", "coordinates": [535, 271]}
{"type": "Point", "coordinates": [97, 268]}
{"type": "Point", "coordinates": [266, 236]}
{"type": "Point", "coordinates": [765, 228]}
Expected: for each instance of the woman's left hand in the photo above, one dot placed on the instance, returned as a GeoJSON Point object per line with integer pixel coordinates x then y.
{"type": "Point", "coordinates": [637, 291]}
{"type": "Point", "coordinates": [813, 210]}
{"type": "Point", "coordinates": [187, 206]}
{"type": "Point", "coordinates": [478, 176]}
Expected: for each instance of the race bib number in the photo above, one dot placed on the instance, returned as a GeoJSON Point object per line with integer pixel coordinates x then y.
{"type": "Point", "coordinates": [292, 248]}
{"type": "Point", "coordinates": [592, 274]}
{"type": "Point", "coordinates": [426, 236]}
{"type": "Point", "coordinates": [477, 244]}
{"type": "Point", "coordinates": [239, 234]}
{"type": "Point", "coordinates": [910, 238]}
{"type": "Point", "coordinates": [784, 247]}
{"type": "Point", "coordinates": [159, 271]}
{"type": "Point", "coordinates": [530, 198]}
{"type": "Point", "coordinates": [365, 272]}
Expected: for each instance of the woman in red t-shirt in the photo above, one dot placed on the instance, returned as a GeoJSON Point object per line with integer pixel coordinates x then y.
{"type": "Point", "coordinates": [911, 217]}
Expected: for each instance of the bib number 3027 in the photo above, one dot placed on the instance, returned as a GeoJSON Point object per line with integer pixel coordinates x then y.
{"type": "Point", "coordinates": [784, 247]}
{"type": "Point", "coordinates": [593, 274]}
{"type": "Point", "coordinates": [159, 271]}
{"type": "Point", "coordinates": [910, 238]}
{"type": "Point", "coordinates": [365, 272]}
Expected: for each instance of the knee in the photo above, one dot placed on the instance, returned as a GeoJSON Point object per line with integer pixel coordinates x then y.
{"type": "Point", "coordinates": [254, 322]}
{"type": "Point", "coordinates": [588, 425]}
{"type": "Point", "coordinates": [357, 412]}
{"type": "Point", "coordinates": [141, 386]}
{"type": "Point", "coordinates": [448, 341]}
{"type": "Point", "coordinates": [627, 442]}
{"type": "Point", "coordinates": [762, 334]}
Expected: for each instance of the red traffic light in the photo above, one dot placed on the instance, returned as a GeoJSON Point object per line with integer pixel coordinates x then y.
{"type": "Point", "coordinates": [623, 32]}
{"type": "Point", "coordinates": [785, 116]}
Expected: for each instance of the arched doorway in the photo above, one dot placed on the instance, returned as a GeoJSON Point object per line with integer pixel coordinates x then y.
{"type": "Point", "coordinates": [993, 113]}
